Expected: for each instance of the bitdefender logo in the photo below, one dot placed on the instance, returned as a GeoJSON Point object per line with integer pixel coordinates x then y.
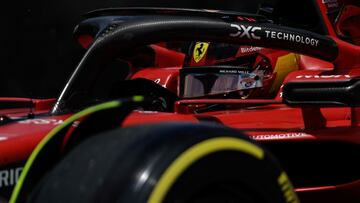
{"type": "Point", "coordinates": [245, 31]}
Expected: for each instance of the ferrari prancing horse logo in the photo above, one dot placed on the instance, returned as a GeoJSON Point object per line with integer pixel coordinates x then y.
{"type": "Point", "coordinates": [200, 51]}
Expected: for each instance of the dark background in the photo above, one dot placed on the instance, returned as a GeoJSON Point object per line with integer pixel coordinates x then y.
{"type": "Point", "coordinates": [38, 52]}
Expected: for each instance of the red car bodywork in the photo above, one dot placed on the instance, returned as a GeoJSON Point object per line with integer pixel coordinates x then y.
{"type": "Point", "coordinates": [272, 124]}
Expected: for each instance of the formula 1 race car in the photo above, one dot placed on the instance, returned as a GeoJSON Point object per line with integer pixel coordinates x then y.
{"type": "Point", "coordinates": [182, 105]}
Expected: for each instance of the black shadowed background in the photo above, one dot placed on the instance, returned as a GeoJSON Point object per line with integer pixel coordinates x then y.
{"type": "Point", "coordinates": [38, 52]}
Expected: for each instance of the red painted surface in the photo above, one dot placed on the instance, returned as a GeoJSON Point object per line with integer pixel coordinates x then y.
{"type": "Point", "coordinates": [18, 139]}
{"type": "Point", "coordinates": [167, 58]}
{"type": "Point", "coordinates": [166, 77]}
{"type": "Point", "coordinates": [310, 63]}
{"type": "Point", "coordinates": [263, 122]}
{"type": "Point", "coordinates": [85, 41]}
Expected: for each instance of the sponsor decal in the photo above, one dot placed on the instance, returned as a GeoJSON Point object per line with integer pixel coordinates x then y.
{"type": "Point", "coordinates": [232, 71]}
{"type": "Point", "coordinates": [9, 177]}
{"type": "Point", "coordinates": [157, 81]}
{"type": "Point", "coordinates": [76, 124]}
{"type": "Point", "coordinates": [280, 136]}
{"type": "Point", "coordinates": [322, 76]}
{"type": "Point", "coordinates": [331, 4]}
{"type": "Point", "coordinates": [246, 79]}
{"type": "Point", "coordinates": [245, 31]}
{"type": "Point", "coordinates": [200, 50]}
{"type": "Point", "coordinates": [291, 37]}
{"type": "Point", "coordinates": [42, 121]}
{"type": "Point", "coordinates": [250, 49]}
{"type": "Point", "coordinates": [281, 93]}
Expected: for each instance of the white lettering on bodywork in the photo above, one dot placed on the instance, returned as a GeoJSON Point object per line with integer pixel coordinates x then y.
{"type": "Point", "coordinates": [245, 31]}
{"type": "Point", "coordinates": [331, 3]}
{"type": "Point", "coordinates": [322, 76]}
{"type": "Point", "coordinates": [291, 37]}
{"type": "Point", "coordinates": [9, 177]}
{"type": "Point", "coordinates": [42, 121]}
{"type": "Point", "coordinates": [280, 136]}
{"type": "Point", "coordinates": [250, 49]}
{"type": "Point", "coordinates": [157, 81]}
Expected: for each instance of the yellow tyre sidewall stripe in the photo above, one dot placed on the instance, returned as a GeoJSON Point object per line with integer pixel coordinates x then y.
{"type": "Point", "coordinates": [196, 152]}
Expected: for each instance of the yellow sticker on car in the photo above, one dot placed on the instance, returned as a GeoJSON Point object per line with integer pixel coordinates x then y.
{"type": "Point", "coordinates": [200, 50]}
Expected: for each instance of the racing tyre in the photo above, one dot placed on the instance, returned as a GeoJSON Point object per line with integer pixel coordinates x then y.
{"type": "Point", "coordinates": [172, 162]}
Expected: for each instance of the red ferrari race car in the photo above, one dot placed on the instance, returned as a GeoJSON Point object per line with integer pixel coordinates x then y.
{"type": "Point", "coordinates": [222, 94]}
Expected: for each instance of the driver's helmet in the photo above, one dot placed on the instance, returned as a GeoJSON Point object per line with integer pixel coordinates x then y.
{"type": "Point", "coordinates": [347, 23]}
{"type": "Point", "coordinates": [218, 70]}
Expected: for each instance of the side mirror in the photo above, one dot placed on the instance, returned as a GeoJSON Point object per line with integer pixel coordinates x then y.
{"type": "Point", "coordinates": [323, 93]}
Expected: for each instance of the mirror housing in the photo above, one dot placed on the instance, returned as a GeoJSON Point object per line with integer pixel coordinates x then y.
{"type": "Point", "coordinates": [323, 93]}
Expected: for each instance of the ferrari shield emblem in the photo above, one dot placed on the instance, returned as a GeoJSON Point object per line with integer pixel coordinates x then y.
{"type": "Point", "coordinates": [200, 51]}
